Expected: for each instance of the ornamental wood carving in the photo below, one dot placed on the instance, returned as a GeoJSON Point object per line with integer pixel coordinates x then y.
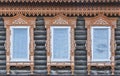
{"type": "Point", "coordinates": [52, 10]}
{"type": "Point", "coordinates": [100, 20]}
{"type": "Point", "coordinates": [60, 20]}
{"type": "Point", "coordinates": [19, 20]}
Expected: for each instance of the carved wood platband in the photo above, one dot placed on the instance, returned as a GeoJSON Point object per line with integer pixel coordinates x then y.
{"type": "Point", "coordinates": [19, 20]}
{"type": "Point", "coordinates": [100, 20]}
{"type": "Point", "coordinates": [60, 20]}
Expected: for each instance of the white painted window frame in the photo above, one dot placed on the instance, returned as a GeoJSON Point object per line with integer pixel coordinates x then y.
{"type": "Point", "coordinates": [11, 47]}
{"type": "Point", "coordinates": [69, 43]}
{"type": "Point", "coordinates": [109, 38]}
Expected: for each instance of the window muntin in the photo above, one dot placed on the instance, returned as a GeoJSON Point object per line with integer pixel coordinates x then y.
{"type": "Point", "coordinates": [19, 40]}
{"type": "Point", "coordinates": [101, 43]}
{"type": "Point", "coordinates": [60, 43]}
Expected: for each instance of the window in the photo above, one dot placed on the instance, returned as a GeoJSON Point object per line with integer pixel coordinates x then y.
{"type": "Point", "coordinates": [60, 43]}
{"type": "Point", "coordinates": [100, 43]}
{"type": "Point", "coordinates": [19, 43]}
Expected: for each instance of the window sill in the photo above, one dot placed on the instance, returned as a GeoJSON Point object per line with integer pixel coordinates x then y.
{"type": "Point", "coordinates": [20, 61]}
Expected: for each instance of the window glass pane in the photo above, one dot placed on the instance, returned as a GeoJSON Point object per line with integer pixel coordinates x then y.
{"type": "Point", "coordinates": [61, 43]}
{"type": "Point", "coordinates": [101, 44]}
{"type": "Point", "coordinates": [20, 43]}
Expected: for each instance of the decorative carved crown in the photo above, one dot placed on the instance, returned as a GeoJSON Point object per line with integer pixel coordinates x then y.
{"type": "Point", "coordinates": [19, 21]}
{"type": "Point", "coordinates": [60, 21]}
{"type": "Point", "coordinates": [100, 21]}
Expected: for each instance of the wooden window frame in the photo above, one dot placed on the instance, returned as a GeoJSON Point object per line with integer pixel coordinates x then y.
{"type": "Point", "coordinates": [11, 46]}
{"type": "Point", "coordinates": [60, 20]}
{"type": "Point", "coordinates": [100, 20]}
{"type": "Point", "coordinates": [52, 59]}
{"type": "Point", "coordinates": [94, 27]}
{"type": "Point", "coordinates": [19, 20]}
